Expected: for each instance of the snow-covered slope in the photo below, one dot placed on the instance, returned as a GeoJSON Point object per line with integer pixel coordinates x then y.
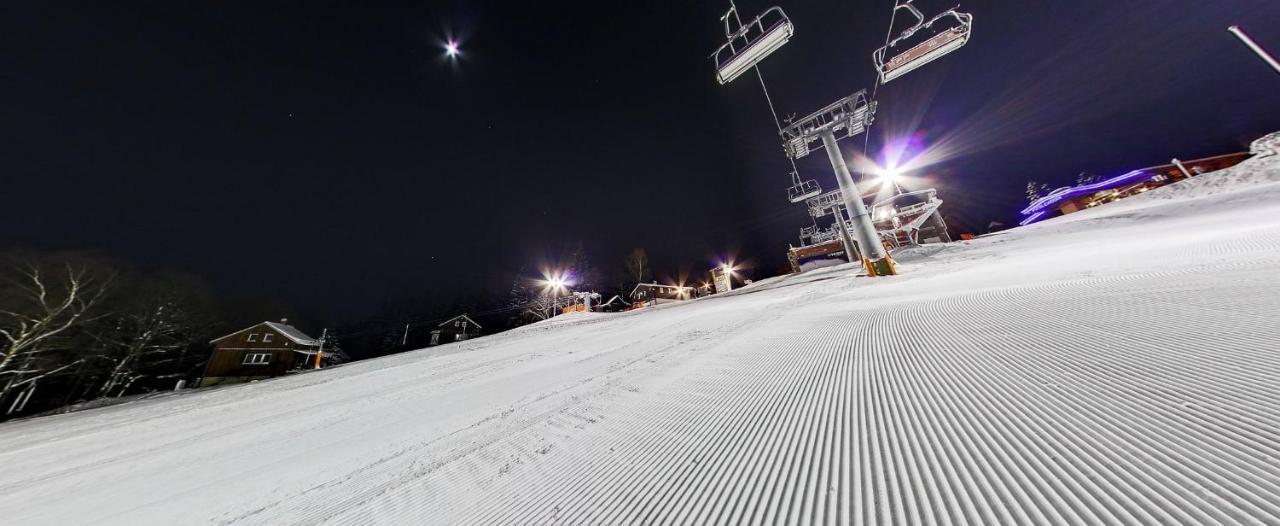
{"type": "Point", "coordinates": [1115, 366]}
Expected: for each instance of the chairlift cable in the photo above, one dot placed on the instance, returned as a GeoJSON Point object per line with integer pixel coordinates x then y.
{"type": "Point", "coordinates": [795, 172]}
{"type": "Point", "coordinates": [888, 36]}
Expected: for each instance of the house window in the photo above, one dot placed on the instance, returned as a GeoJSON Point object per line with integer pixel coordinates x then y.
{"type": "Point", "coordinates": [253, 337]}
{"type": "Point", "coordinates": [267, 337]}
{"type": "Point", "coordinates": [257, 358]}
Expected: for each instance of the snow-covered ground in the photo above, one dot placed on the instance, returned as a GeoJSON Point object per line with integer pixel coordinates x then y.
{"type": "Point", "coordinates": [1116, 366]}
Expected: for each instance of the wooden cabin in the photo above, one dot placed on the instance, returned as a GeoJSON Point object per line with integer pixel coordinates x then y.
{"type": "Point", "coordinates": [646, 294]}
{"type": "Point", "coordinates": [455, 329]}
{"type": "Point", "coordinates": [262, 351]}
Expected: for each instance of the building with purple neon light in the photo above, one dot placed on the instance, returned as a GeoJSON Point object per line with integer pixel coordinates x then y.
{"type": "Point", "coordinates": [1070, 199]}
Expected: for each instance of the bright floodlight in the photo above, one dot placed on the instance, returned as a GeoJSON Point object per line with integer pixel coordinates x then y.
{"type": "Point", "coordinates": [891, 175]}
{"type": "Point", "coordinates": [451, 49]}
{"type": "Point", "coordinates": [555, 282]}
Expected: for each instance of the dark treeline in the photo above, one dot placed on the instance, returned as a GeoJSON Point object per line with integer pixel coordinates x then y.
{"type": "Point", "coordinates": [80, 327]}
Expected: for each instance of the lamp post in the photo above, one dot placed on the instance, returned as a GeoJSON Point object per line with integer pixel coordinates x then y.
{"type": "Point", "coordinates": [1262, 53]}
{"type": "Point", "coordinates": [554, 283]}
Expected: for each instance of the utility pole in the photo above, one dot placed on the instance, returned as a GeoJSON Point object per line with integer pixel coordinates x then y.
{"type": "Point", "coordinates": [405, 339]}
{"type": "Point", "coordinates": [319, 352]}
{"type": "Point", "coordinates": [1262, 53]}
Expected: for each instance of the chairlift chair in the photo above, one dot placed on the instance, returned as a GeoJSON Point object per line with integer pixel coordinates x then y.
{"type": "Point", "coordinates": [802, 190]}
{"type": "Point", "coordinates": [925, 52]}
{"type": "Point", "coordinates": [750, 43]}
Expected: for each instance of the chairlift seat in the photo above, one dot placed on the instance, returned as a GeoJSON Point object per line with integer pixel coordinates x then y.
{"type": "Point", "coordinates": [803, 190]}
{"type": "Point", "coordinates": [751, 43]}
{"type": "Point", "coordinates": [927, 51]}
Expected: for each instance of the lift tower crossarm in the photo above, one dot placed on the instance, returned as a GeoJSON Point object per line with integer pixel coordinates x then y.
{"type": "Point", "coordinates": [846, 117]}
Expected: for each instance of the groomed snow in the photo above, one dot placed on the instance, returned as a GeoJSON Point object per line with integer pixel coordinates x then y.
{"type": "Point", "coordinates": [1115, 366]}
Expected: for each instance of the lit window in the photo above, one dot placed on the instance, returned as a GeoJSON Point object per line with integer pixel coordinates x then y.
{"type": "Point", "coordinates": [267, 337]}
{"type": "Point", "coordinates": [257, 358]}
{"type": "Point", "coordinates": [253, 337]}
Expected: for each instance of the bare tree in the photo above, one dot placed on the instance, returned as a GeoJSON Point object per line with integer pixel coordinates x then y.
{"type": "Point", "coordinates": [41, 303]}
{"type": "Point", "coordinates": [1036, 191]}
{"type": "Point", "coordinates": [159, 318]}
{"type": "Point", "coordinates": [637, 262]}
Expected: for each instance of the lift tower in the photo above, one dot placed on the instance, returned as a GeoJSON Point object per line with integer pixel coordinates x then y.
{"type": "Point", "coordinates": [847, 117]}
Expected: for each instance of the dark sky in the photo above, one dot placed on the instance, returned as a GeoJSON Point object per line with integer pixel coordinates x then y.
{"type": "Point", "coordinates": [324, 153]}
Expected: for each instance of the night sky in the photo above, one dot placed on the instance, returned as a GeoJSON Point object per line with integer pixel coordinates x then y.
{"type": "Point", "coordinates": [325, 154]}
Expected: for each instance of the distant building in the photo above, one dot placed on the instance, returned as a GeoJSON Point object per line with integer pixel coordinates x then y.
{"type": "Point", "coordinates": [1071, 199]}
{"type": "Point", "coordinates": [455, 329]}
{"type": "Point", "coordinates": [615, 304]}
{"type": "Point", "coordinates": [262, 351]}
{"type": "Point", "coordinates": [646, 294]}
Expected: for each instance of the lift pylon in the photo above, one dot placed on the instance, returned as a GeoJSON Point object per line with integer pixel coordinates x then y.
{"type": "Point", "coordinates": [844, 118]}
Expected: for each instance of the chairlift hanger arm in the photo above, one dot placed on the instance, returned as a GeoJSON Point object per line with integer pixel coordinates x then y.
{"type": "Point", "coordinates": [916, 27]}
{"type": "Point", "coordinates": [733, 10]}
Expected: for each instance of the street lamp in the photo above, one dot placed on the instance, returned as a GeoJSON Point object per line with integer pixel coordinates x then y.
{"type": "Point", "coordinates": [451, 49]}
{"type": "Point", "coordinates": [554, 283]}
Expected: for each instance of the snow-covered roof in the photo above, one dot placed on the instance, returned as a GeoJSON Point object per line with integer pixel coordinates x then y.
{"type": "Point", "coordinates": [615, 297]}
{"type": "Point", "coordinates": [288, 331]}
{"type": "Point", "coordinates": [463, 316]}
{"type": "Point", "coordinates": [293, 334]}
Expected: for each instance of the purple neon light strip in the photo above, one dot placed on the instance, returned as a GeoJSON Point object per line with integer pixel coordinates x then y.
{"type": "Point", "coordinates": [1033, 217]}
{"type": "Point", "coordinates": [1064, 193]}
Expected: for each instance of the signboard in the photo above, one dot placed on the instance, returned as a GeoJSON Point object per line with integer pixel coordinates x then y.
{"type": "Point", "coordinates": [722, 279]}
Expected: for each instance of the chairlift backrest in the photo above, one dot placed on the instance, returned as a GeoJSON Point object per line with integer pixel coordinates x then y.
{"type": "Point", "coordinates": [924, 52]}
{"type": "Point", "coordinates": [750, 43]}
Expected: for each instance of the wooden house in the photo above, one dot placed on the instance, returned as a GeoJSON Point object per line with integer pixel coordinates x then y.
{"type": "Point", "coordinates": [262, 351]}
{"type": "Point", "coordinates": [646, 294]}
{"type": "Point", "coordinates": [455, 329]}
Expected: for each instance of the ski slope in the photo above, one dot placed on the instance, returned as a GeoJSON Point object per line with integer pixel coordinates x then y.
{"type": "Point", "coordinates": [1117, 366]}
